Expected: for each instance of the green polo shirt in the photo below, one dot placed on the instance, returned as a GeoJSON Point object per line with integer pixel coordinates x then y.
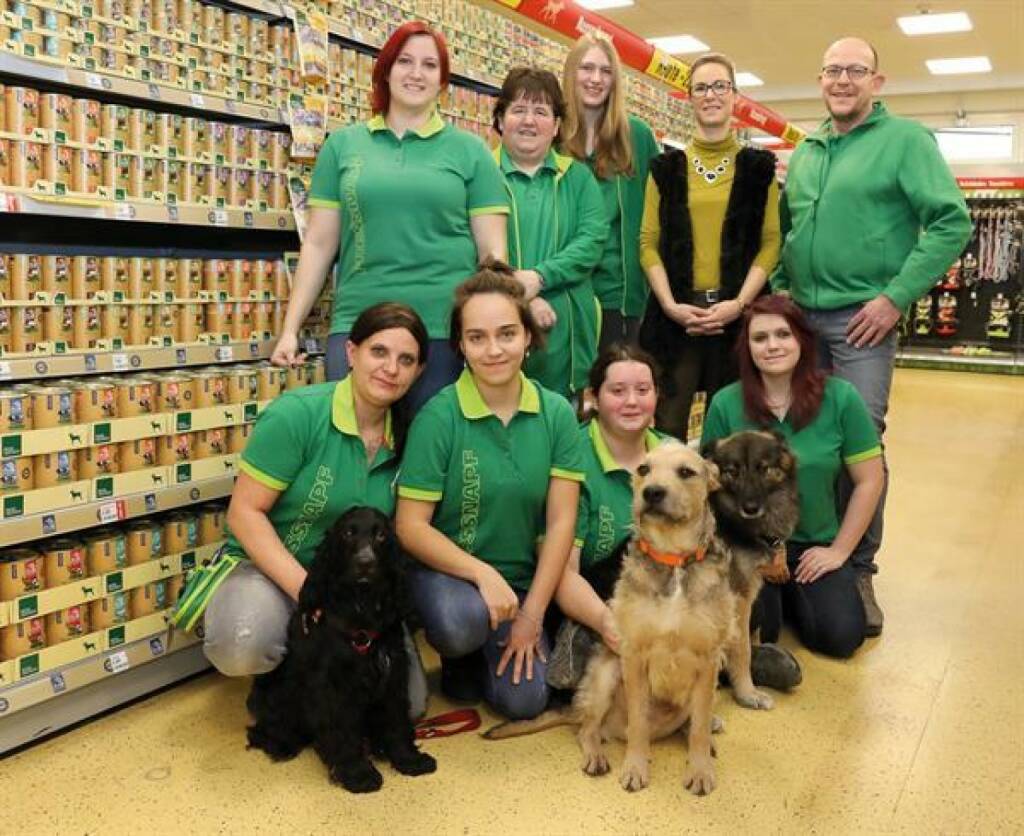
{"type": "Point", "coordinates": [306, 444]}
{"type": "Point", "coordinates": [841, 433]}
{"type": "Point", "coordinates": [405, 208]}
{"type": "Point", "coordinates": [490, 481]}
{"type": "Point", "coordinates": [619, 281]}
{"type": "Point", "coordinates": [557, 227]}
{"type": "Point", "coordinates": [605, 516]}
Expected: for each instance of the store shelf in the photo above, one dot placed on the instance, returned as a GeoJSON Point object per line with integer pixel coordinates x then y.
{"type": "Point", "coordinates": [33, 203]}
{"type": "Point", "coordinates": [92, 82]}
{"type": "Point", "coordinates": [19, 529]}
{"type": "Point", "coordinates": [991, 363]}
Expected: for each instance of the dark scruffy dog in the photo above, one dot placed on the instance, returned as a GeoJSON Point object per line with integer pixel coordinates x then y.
{"type": "Point", "coordinates": [756, 509]}
{"type": "Point", "coordinates": [343, 685]}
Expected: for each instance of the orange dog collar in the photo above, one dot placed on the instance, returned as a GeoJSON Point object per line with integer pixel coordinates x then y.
{"type": "Point", "coordinates": [671, 558]}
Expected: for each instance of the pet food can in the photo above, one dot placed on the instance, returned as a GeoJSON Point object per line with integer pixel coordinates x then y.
{"type": "Point", "coordinates": [174, 449]}
{"type": "Point", "coordinates": [139, 454]}
{"type": "Point", "coordinates": [67, 624]}
{"type": "Point", "coordinates": [55, 112]}
{"type": "Point", "coordinates": [86, 325]}
{"type": "Point", "coordinates": [174, 586]}
{"type": "Point", "coordinates": [85, 121]}
{"type": "Point", "coordinates": [65, 561]}
{"type": "Point", "coordinates": [26, 277]}
{"type": "Point", "coordinates": [149, 599]}
{"type": "Point", "coordinates": [217, 142]}
{"type": "Point", "coordinates": [181, 532]}
{"type": "Point", "coordinates": [16, 474]}
{"type": "Point", "coordinates": [25, 163]}
{"type": "Point", "coordinates": [106, 550]}
{"type": "Point", "coordinates": [212, 523]}
{"type": "Point", "coordinates": [115, 125]}
{"type": "Point", "coordinates": [141, 544]}
{"type": "Point", "coordinates": [114, 321]}
{"type": "Point", "coordinates": [216, 276]}
{"type": "Point", "coordinates": [58, 467]}
{"type": "Point", "coordinates": [210, 388]}
{"type": "Point", "coordinates": [5, 259]}
{"type": "Point", "coordinates": [86, 171]}
{"type": "Point", "coordinates": [192, 322]}
{"type": "Point", "coordinates": [22, 110]}
{"type": "Point", "coordinates": [110, 611]}
{"type": "Point", "coordinates": [96, 400]}
{"type": "Point", "coordinates": [115, 274]}
{"type": "Point", "coordinates": [219, 184]}
{"type": "Point", "coordinates": [52, 406]}
{"type": "Point", "coordinates": [296, 376]}
{"type": "Point", "coordinates": [242, 384]}
{"type": "Point", "coordinates": [238, 437]}
{"type": "Point", "coordinates": [136, 396]}
{"type": "Point", "coordinates": [242, 321]}
{"type": "Point", "coordinates": [98, 460]}
{"type": "Point", "coordinates": [59, 323]}
{"type": "Point", "coordinates": [56, 274]}
{"type": "Point", "coordinates": [240, 278]}
{"type": "Point", "coordinates": [280, 150]}
{"type": "Point", "coordinates": [26, 329]}
{"type": "Point", "coordinates": [140, 278]}
{"type": "Point", "coordinates": [57, 166]}
{"type": "Point", "coordinates": [22, 572]}
{"type": "Point", "coordinates": [269, 381]}
{"type": "Point", "coordinates": [219, 317]}
{"type": "Point", "coordinates": [318, 370]}
{"type": "Point", "coordinates": [263, 276]}
{"type": "Point", "coordinates": [167, 321]}
{"type": "Point", "coordinates": [190, 278]}
{"type": "Point", "coordinates": [140, 324]}
{"type": "Point", "coordinates": [21, 638]}
{"type": "Point", "coordinates": [262, 319]}
{"type": "Point", "coordinates": [174, 392]}
{"type": "Point", "coordinates": [209, 443]}
{"type": "Point", "coordinates": [195, 140]}
{"type": "Point", "coordinates": [239, 145]}
{"type": "Point", "coordinates": [15, 410]}
{"type": "Point", "coordinates": [86, 276]}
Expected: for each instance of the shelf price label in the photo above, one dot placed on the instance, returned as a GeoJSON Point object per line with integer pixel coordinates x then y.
{"type": "Point", "coordinates": [94, 81]}
{"type": "Point", "coordinates": [120, 362]}
{"type": "Point", "coordinates": [116, 662]}
{"type": "Point", "coordinates": [224, 353]}
{"type": "Point", "coordinates": [198, 100]}
{"type": "Point", "coordinates": [5, 371]}
{"type": "Point", "coordinates": [111, 511]}
{"type": "Point", "coordinates": [219, 217]}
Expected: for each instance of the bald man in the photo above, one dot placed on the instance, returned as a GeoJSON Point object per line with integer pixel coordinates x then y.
{"type": "Point", "coordinates": [871, 216]}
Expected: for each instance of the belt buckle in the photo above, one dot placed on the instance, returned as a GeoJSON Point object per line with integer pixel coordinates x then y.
{"type": "Point", "coordinates": [711, 296]}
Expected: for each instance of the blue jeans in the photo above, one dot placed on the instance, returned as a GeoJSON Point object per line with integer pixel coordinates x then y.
{"type": "Point", "coordinates": [869, 369]}
{"type": "Point", "coordinates": [456, 623]}
{"type": "Point", "coordinates": [443, 367]}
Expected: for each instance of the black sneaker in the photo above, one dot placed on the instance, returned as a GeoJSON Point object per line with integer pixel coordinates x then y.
{"type": "Point", "coordinates": [775, 667]}
{"type": "Point", "coordinates": [574, 644]}
{"type": "Point", "coordinates": [873, 616]}
{"type": "Point", "coordinates": [460, 678]}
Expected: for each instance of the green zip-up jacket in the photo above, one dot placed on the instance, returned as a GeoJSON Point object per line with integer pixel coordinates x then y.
{"type": "Point", "coordinates": [619, 280]}
{"type": "Point", "coordinates": [557, 227]}
{"type": "Point", "coordinates": [854, 209]}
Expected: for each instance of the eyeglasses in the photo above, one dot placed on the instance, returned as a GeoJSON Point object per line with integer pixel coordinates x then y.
{"type": "Point", "coordinates": [719, 88]}
{"type": "Point", "coordinates": [855, 72]}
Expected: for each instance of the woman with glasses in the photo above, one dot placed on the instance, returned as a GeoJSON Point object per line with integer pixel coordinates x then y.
{"type": "Point", "coordinates": [710, 238]}
{"type": "Point", "coordinates": [618, 148]}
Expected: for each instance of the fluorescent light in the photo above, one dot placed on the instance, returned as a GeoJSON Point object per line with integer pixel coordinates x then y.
{"type": "Point", "coordinates": [599, 5]}
{"type": "Point", "coordinates": [930, 24]}
{"type": "Point", "coordinates": [679, 44]}
{"type": "Point", "coordinates": [748, 80]}
{"type": "Point", "coordinates": [959, 66]}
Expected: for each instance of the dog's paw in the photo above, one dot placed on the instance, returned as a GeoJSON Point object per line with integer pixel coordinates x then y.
{"type": "Point", "coordinates": [362, 777]}
{"type": "Point", "coordinates": [275, 748]}
{"type": "Point", "coordinates": [595, 763]}
{"type": "Point", "coordinates": [757, 700]}
{"type": "Point", "coordinates": [635, 775]}
{"type": "Point", "coordinates": [717, 724]}
{"type": "Point", "coordinates": [699, 780]}
{"type": "Point", "coordinates": [415, 763]}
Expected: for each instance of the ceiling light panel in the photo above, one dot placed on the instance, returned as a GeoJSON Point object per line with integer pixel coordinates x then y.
{"type": "Point", "coordinates": [748, 80]}
{"type": "Point", "coordinates": [601, 5]}
{"type": "Point", "coordinates": [959, 66]}
{"type": "Point", "coordinates": [932, 24]}
{"type": "Point", "coordinates": [679, 44]}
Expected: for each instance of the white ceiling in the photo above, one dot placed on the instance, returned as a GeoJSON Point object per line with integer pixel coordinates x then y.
{"type": "Point", "coordinates": [782, 41]}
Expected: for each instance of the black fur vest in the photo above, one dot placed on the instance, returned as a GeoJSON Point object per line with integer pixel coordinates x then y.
{"type": "Point", "coordinates": [741, 238]}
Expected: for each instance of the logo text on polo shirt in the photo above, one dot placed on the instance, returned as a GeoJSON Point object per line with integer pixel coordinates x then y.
{"type": "Point", "coordinates": [312, 508]}
{"type": "Point", "coordinates": [605, 529]}
{"type": "Point", "coordinates": [469, 511]}
{"type": "Point", "coordinates": [355, 216]}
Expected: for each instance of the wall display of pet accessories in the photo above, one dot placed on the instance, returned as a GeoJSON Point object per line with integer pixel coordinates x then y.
{"type": "Point", "coordinates": [973, 319]}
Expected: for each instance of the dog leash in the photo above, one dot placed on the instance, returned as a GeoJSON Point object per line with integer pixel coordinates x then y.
{"type": "Point", "coordinates": [439, 725]}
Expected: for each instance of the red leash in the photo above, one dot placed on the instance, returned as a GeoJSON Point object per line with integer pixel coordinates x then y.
{"type": "Point", "coordinates": [438, 725]}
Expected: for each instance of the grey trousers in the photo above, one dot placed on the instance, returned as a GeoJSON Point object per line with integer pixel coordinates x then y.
{"type": "Point", "coordinates": [246, 631]}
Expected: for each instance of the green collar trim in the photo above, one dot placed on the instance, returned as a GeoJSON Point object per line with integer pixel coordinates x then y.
{"type": "Point", "coordinates": [558, 163]}
{"type": "Point", "coordinates": [471, 402]}
{"type": "Point", "coordinates": [434, 125]}
{"type": "Point", "coordinates": [604, 455]}
{"type": "Point", "coordinates": [343, 412]}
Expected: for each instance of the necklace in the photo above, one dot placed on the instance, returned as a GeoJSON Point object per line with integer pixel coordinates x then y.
{"type": "Point", "coordinates": [710, 174]}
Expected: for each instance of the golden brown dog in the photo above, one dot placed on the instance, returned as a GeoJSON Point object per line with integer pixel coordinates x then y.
{"type": "Point", "coordinates": [675, 612]}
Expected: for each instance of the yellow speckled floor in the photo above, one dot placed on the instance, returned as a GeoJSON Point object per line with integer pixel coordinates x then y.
{"type": "Point", "coordinates": [923, 732]}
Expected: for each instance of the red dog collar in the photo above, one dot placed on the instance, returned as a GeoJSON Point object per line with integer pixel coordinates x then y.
{"type": "Point", "coordinates": [362, 640]}
{"type": "Point", "coordinates": [671, 558]}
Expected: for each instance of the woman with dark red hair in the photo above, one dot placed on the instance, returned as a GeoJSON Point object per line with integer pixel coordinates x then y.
{"type": "Point", "coordinates": [828, 428]}
{"type": "Point", "coordinates": [414, 203]}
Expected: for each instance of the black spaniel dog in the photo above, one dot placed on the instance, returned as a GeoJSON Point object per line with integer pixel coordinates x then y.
{"type": "Point", "coordinates": [343, 686]}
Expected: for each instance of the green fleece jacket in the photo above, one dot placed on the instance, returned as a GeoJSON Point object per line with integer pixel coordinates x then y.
{"type": "Point", "coordinates": [854, 210]}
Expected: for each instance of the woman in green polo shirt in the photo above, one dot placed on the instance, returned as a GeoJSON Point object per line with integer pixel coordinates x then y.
{"type": "Point", "coordinates": [487, 502]}
{"type": "Point", "coordinates": [556, 228]}
{"type": "Point", "coordinates": [828, 428]}
{"type": "Point", "coordinates": [414, 203]}
{"type": "Point", "coordinates": [315, 452]}
{"type": "Point", "coordinates": [618, 148]}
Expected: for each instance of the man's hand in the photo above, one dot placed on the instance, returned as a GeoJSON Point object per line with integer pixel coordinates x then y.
{"type": "Point", "coordinates": [543, 314]}
{"type": "Point", "coordinates": [531, 282]}
{"type": "Point", "coordinates": [871, 324]}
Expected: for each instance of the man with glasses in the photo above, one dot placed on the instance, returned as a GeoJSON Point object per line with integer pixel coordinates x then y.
{"type": "Point", "coordinates": [871, 216]}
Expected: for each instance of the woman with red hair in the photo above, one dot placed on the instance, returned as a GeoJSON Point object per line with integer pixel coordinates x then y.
{"type": "Point", "coordinates": [828, 428]}
{"type": "Point", "coordinates": [413, 202]}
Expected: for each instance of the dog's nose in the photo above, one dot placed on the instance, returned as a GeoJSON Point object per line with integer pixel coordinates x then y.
{"type": "Point", "coordinates": [365, 558]}
{"type": "Point", "coordinates": [654, 494]}
{"type": "Point", "coordinates": [750, 509]}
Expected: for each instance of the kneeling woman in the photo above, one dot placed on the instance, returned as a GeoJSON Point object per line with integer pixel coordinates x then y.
{"type": "Point", "coordinates": [314, 453]}
{"type": "Point", "coordinates": [487, 501]}
{"type": "Point", "coordinates": [828, 427]}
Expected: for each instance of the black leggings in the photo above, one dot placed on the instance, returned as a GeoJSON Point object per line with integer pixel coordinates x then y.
{"type": "Point", "coordinates": [828, 613]}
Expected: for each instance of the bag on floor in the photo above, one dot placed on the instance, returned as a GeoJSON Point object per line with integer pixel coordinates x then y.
{"type": "Point", "coordinates": [200, 584]}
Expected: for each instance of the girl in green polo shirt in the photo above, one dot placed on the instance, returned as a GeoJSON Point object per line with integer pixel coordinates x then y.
{"type": "Point", "coordinates": [487, 502]}
{"type": "Point", "coordinates": [414, 204]}
{"type": "Point", "coordinates": [314, 453]}
{"type": "Point", "coordinates": [618, 148]}
{"type": "Point", "coordinates": [556, 228]}
{"type": "Point", "coordinates": [828, 428]}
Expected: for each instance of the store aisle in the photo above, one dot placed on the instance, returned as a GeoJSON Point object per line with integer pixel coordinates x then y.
{"type": "Point", "coordinates": [922, 732]}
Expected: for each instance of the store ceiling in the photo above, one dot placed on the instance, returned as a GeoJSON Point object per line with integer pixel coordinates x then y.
{"type": "Point", "coordinates": [782, 41]}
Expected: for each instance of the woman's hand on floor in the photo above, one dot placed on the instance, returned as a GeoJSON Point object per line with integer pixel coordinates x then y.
{"type": "Point", "coordinates": [817, 562]}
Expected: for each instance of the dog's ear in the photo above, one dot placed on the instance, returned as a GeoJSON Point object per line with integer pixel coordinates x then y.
{"type": "Point", "coordinates": [313, 595]}
{"type": "Point", "coordinates": [713, 481]}
{"type": "Point", "coordinates": [708, 450]}
{"type": "Point", "coordinates": [787, 460]}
